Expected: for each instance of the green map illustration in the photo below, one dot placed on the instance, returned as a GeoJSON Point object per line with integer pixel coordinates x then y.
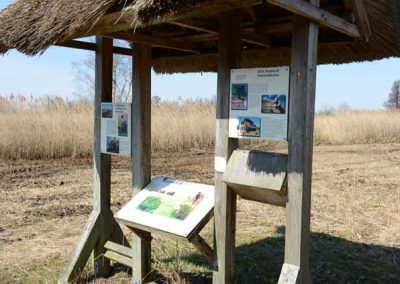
{"type": "Point", "coordinates": [169, 206]}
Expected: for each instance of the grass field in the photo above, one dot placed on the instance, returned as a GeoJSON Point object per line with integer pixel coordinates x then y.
{"type": "Point", "coordinates": [355, 219]}
{"type": "Point", "coordinates": [46, 194]}
{"type": "Point", "coordinates": [52, 128]}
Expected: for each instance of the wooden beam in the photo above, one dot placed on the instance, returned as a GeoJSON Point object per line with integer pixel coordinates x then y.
{"type": "Point", "coordinates": [102, 162]}
{"type": "Point", "coordinates": [256, 39]}
{"type": "Point", "coordinates": [361, 16]}
{"type": "Point", "coordinates": [247, 36]}
{"type": "Point", "coordinates": [141, 152]}
{"type": "Point", "coordinates": [229, 47]}
{"type": "Point", "coordinates": [84, 45]}
{"type": "Point", "coordinates": [317, 15]}
{"type": "Point", "coordinates": [252, 13]}
{"type": "Point", "coordinates": [193, 27]}
{"type": "Point", "coordinates": [156, 41]}
{"type": "Point", "coordinates": [301, 130]}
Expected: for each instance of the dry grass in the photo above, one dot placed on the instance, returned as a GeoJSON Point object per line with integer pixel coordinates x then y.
{"type": "Point", "coordinates": [52, 128]}
{"type": "Point", "coordinates": [358, 127]}
{"type": "Point", "coordinates": [355, 215]}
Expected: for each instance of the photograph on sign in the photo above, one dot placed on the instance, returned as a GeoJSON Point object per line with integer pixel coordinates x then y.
{"type": "Point", "coordinates": [115, 129]}
{"type": "Point", "coordinates": [249, 126]}
{"type": "Point", "coordinates": [259, 103]}
{"type": "Point", "coordinates": [239, 96]}
{"type": "Point", "coordinates": [107, 110]}
{"type": "Point", "coordinates": [170, 206]}
{"type": "Point", "coordinates": [273, 104]}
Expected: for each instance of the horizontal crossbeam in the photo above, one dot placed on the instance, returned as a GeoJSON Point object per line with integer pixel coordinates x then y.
{"type": "Point", "coordinates": [318, 15]}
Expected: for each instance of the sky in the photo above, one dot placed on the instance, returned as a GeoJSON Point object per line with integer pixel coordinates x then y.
{"type": "Point", "coordinates": [359, 85]}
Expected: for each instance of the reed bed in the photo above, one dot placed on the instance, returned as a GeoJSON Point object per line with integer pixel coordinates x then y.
{"type": "Point", "coordinates": [49, 128]}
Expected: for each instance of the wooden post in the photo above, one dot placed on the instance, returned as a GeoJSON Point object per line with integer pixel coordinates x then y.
{"type": "Point", "coordinates": [225, 198]}
{"type": "Point", "coordinates": [141, 151]}
{"type": "Point", "coordinates": [102, 162]}
{"type": "Point", "coordinates": [301, 127]}
{"type": "Point", "coordinates": [101, 223]}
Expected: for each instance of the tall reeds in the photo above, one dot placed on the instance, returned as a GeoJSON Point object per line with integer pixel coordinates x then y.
{"type": "Point", "coordinates": [49, 128]}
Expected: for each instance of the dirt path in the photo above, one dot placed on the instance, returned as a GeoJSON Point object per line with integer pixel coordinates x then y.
{"type": "Point", "coordinates": [355, 218]}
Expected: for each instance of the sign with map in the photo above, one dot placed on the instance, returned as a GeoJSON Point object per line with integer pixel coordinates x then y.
{"type": "Point", "coordinates": [170, 206]}
{"type": "Point", "coordinates": [116, 129]}
{"type": "Point", "coordinates": [258, 103]}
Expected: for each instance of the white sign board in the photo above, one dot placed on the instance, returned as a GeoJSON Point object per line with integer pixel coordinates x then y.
{"type": "Point", "coordinates": [259, 103]}
{"type": "Point", "coordinates": [116, 128]}
{"type": "Point", "coordinates": [170, 206]}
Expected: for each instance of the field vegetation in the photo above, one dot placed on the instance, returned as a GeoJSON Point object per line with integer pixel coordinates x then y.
{"type": "Point", "coordinates": [54, 128]}
{"type": "Point", "coordinates": [45, 202]}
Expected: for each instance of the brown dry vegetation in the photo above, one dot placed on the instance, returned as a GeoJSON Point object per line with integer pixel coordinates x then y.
{"type": "Point", "coordinates": [44, 204]}
{"type": "Point", "coordinates": [53, 128]}
{"type": "Point", "coordinates": [355, 217]}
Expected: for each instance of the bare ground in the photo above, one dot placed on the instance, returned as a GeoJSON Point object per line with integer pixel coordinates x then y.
{"type": "Point", "coordinates": [355, 219]}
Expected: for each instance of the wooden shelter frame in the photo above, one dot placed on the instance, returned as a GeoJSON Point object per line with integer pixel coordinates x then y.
{"type": "Point", "coordinates": [103, 235]}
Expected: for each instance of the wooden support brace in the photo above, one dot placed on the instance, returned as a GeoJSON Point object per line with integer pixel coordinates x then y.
{"type": "Point", "coordinates": [83, 250]}
{"type": "Point", "coordinates": [225, 198]}
{"type": "Point", "coordinates": [320, 16]}
{"type": "Point", "coordinates": [360, 16]}
{"type": "Point", "coordinates": [202, 246]}
{"type": "Point", "coordinates": [301, 127]}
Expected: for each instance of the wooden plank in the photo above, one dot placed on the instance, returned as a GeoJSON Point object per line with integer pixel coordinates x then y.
{"type": "Point", "coordinates": [289, 274]}
{"type": "Point", "coordinates": [102, 162]}
{"type": "Point", "coordinates": [225, 198]}
{"type": "Point", "coordinates": [156, 41]}
{"type": "Point", "coordinates": [83, 250]}
{"type": "Point", "coordinates": [301, 128]}
{"type": "Point", "coordinates": [123, 250]}
{"type": "Point", "coordinates": [257, 176]}
{"type": "Point", "coordinates": [317, 15]}
{"type": "Point", "coordinates": [140, 229]}
{"type": "Point", "coordinates": [141, 150]}
{"type": "Point", "coordinates": [360, 15]}
{"type": "Point", "coordinates": [202, 246]}
{"type": "Point", "coordinates": [115, 256]}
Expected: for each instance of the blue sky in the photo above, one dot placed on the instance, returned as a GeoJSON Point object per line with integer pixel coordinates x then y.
{"type": "Point", "coordinates": [361, 85]}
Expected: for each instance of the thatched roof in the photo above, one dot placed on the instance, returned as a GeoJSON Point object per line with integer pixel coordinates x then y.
{"type": "Point", "coordinates": [31, 26]}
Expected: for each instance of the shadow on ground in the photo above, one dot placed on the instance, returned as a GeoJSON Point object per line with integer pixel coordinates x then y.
{"type": "Point", "coordinates": [333, 260]}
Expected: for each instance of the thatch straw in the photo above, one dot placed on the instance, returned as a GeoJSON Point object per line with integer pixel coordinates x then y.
{"type": "Point", "coordinates": [33, 25]}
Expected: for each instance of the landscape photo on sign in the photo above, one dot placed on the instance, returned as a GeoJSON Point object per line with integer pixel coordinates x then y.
{"type": "Point", "coordinates": [239, 97]}
{"type": "Point", "coordinates": [123, 124]}
{"type": "Point", "coordinates": [167, 205]}
{"type": "Point", "coordinates": [249, 126]}
{"type": "Point", "coordinates": [112, 144]}
{"type": "Point", "coordinates": [274, 104]}
{"type": "Point", "coordinates": [106, 110]}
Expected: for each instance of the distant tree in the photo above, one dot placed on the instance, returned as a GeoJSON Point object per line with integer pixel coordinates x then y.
{"type": "Point", "coordinates": [344, 106]}
{"type": "Point", "coordinates": [84, 71]}
{"type": "Point", "coordinates": [156, 99]}
{"type": "Point", "coordinates": [393, 100]}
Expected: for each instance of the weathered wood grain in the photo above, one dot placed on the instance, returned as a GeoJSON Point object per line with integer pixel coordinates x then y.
{"type": "Point", "coordinates": [141, 151]}
{"type": "Point", "coordinates": [102, 162]}
{"type": "Point", "coordinates": [257, 176]}
{"type": "Point", "coordinates": [225, 198]}
{"type": "Point", "coordinates": [83, 250]}
{"type": "Point", "coordinates": [301, 128]}
{"type": "Point", "coordinates": [319, 16]}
